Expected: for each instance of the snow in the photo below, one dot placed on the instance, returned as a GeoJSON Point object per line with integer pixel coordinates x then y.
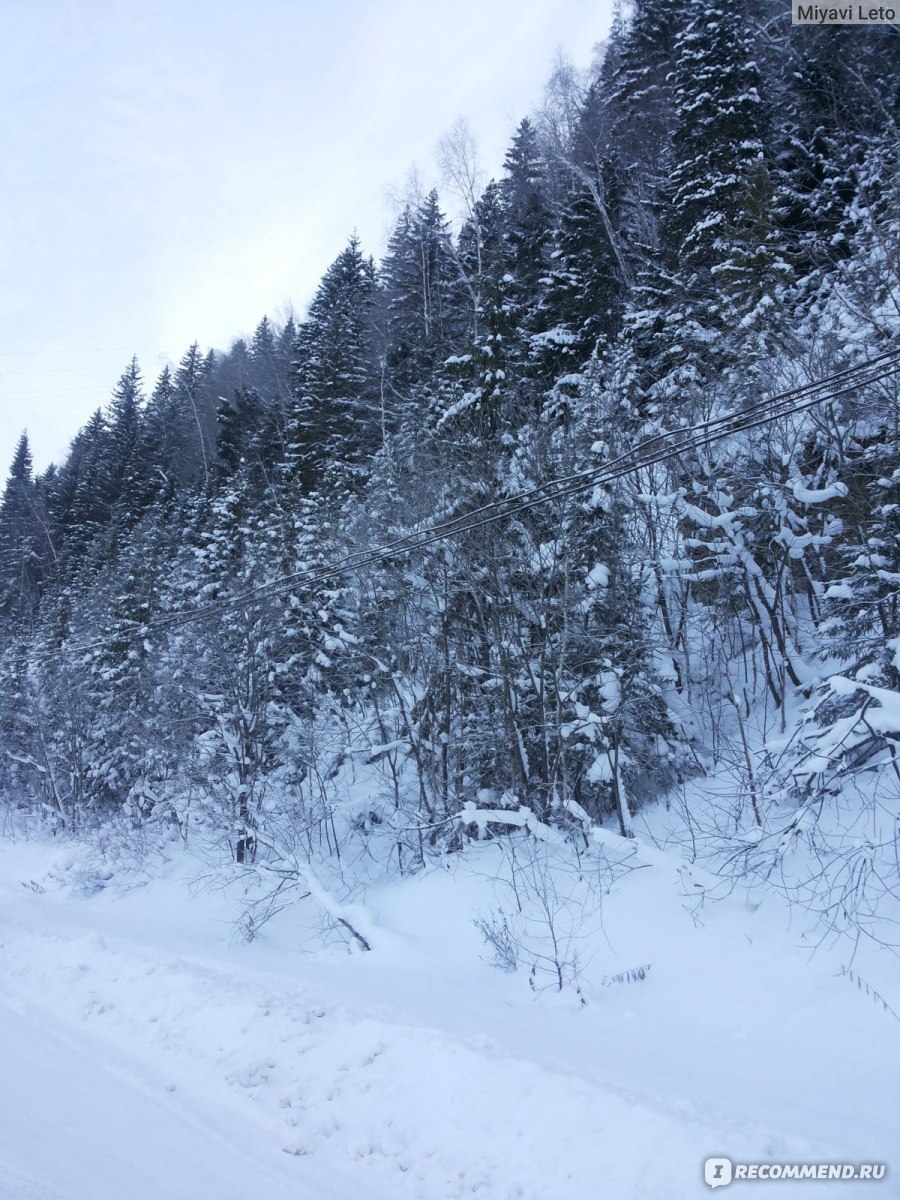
{"type": "Point", "coordinates": [148, 1054]}
{"type": "Point", "coordinates": [597, 577]}
{"type": "Point", "coordinates": [883, 717]}
{"type": "Point", "coordinates": [76, 1125]}
{"type": "Point", "coordinates": [807, 495]}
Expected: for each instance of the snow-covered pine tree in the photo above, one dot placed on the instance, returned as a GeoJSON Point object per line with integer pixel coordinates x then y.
{"type": "Point", "coordinates": [337, 413]}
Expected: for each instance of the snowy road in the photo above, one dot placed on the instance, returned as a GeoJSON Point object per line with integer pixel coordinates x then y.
{"type": "Point", "coordinates": [76, 1125]}
{"type": "Point", "coordinates": [90, 1108]}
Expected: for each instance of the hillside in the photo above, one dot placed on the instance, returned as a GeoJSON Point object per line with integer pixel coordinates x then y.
{"type": "Point", "coordinates": [531, 602]}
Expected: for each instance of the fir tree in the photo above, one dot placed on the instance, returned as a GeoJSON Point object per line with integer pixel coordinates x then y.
{"type": "Point", "coordinates": [337, 412]}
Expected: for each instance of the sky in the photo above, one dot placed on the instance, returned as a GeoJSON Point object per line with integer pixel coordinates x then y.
{"type": "Point", "coordinates": [174, 171]}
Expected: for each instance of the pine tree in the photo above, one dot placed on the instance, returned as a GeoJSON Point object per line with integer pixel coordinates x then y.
{"type": "Point", "coordinates": [162, 426]}
{"type": "Point", "coordinates": [337, 413]}
{"type": "Point", "coordinates": [527, 216]}
{"type": "Point", "coordinates": [127, 463]}
{"type": "Point", "coordinates": [843, 93]}
{"type": "Point", "coordinates": [712, 289]}
{"type": "Point", "coordinates": [126, 731]}
{"type": "Point", "coordinates": [721, 217]}
{"type": "Point", "coordinates": [421, 296]}
{"type": "Point", "coordinates": [637, 79]}
{"type": "Point", "coordinates": [22, 539]}
{"type": "Point", "coordinates": [82, 497]}
{"type": "Point", "coordinates": [195, 409]}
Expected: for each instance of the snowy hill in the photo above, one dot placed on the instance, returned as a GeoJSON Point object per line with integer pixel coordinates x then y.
{"type": "Point", "coordinates": [448, 739]}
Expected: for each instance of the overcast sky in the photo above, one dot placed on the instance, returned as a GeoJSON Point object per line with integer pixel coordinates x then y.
{"type": "Point", "coordinates": [173, 171]}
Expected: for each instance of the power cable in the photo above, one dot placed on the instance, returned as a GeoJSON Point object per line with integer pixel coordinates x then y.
{"type": "Point", "coordinates": [647, 453]}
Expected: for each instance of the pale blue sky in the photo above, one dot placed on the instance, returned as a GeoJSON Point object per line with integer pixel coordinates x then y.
{"type": "Point", "coordinates": [172, 171]}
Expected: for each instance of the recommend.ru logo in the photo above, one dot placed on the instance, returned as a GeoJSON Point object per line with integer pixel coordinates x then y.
{"type": "Point", "coordinates": [717, 1172]}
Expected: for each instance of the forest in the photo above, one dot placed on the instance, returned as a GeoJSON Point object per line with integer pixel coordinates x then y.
{"type": "Point", "coordinates": [558, 514]}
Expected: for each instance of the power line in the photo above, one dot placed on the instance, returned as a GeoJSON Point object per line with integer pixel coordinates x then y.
{"type": "Point", "coordinates": [648, 452]}
{"type": "Point", "coordinates": [652, 450]}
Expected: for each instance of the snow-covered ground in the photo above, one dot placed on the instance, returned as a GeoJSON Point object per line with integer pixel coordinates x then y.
{"type": "Point", "coordinates": [149, 1055]}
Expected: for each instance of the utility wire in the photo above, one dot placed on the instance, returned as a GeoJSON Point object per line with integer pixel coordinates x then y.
{"type": "Point", "coordinates": [652, 450]}
{"type": "Point", "coordinates": [648, 452]}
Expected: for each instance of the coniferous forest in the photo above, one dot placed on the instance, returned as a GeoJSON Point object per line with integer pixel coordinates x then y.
{"type": "Point", "coordinates": [539, 522]}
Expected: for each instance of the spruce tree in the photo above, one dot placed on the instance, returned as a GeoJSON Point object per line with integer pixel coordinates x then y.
{"type": "Point", "coordinates": [22, 538]}
{"type": "Point", "coordinates": [337, 413]}
{"type": "Point", "coordinates": [421, 296]}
